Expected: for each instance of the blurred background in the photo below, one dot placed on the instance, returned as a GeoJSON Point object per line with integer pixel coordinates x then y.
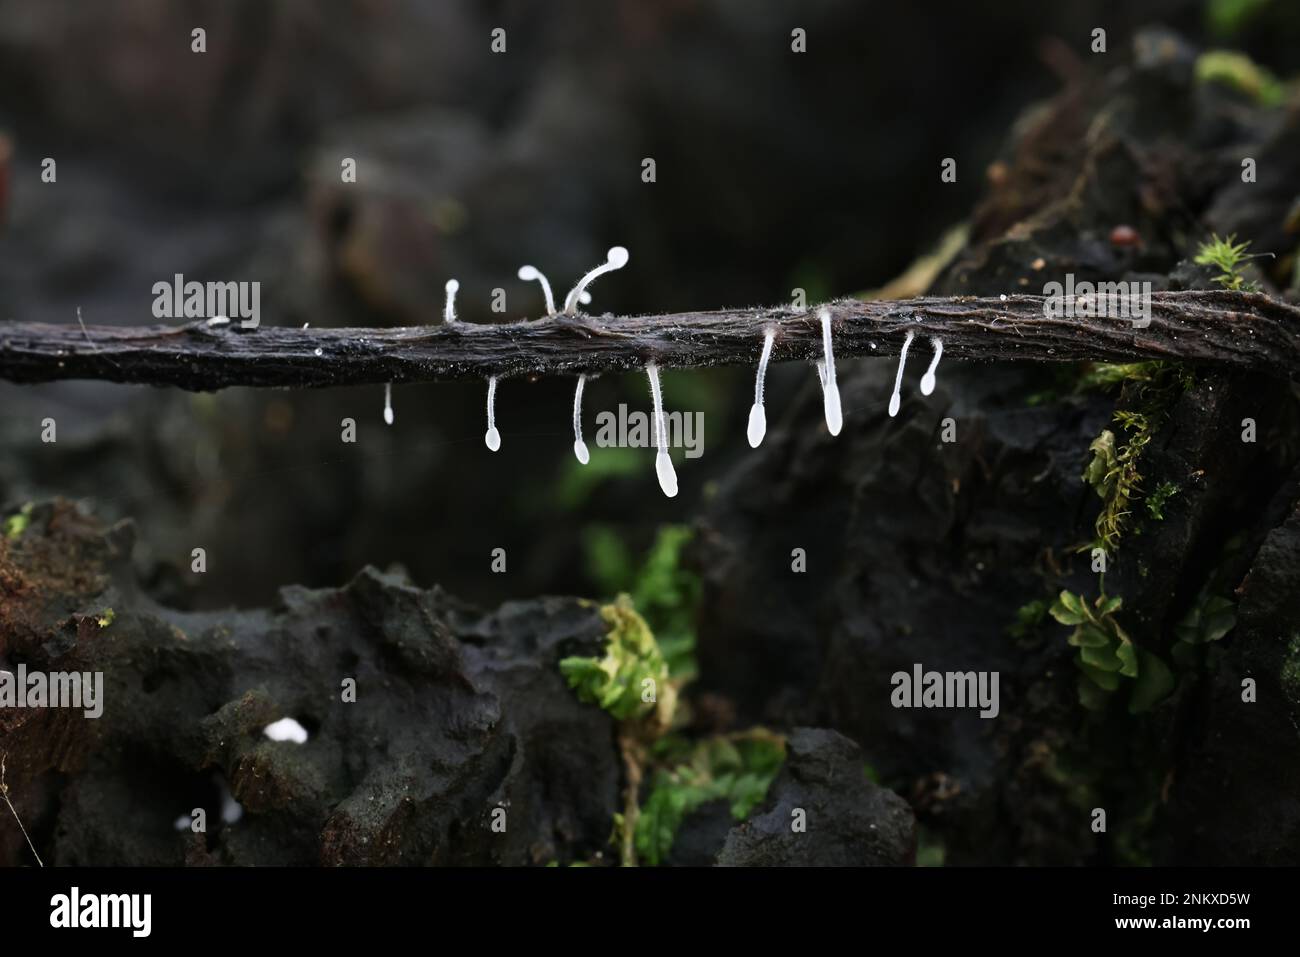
{"type": "Point", "coordinates": [774, 170]}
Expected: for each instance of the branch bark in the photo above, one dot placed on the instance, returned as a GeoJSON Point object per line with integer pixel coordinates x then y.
{"type": "Point", "coordinates": [1248, 331]}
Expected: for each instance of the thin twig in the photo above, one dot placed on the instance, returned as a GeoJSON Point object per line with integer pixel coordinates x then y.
{"type": "Point", "coordinates": [632, 752]}
{"type": "Point", "coordinates": [4, 792]}
{"type": "Point", "coordinates": [1248, 331]}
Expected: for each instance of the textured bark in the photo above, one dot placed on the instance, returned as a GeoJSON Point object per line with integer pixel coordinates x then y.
{"type": "Point", "coordinates": [1241, 330]}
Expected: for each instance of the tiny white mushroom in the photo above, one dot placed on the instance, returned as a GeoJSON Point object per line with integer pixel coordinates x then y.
{"type": "Point", "coordinates": [826, 372]}
{"type": "Point", "coordinates": [616, 258]}
{"type": "Point", "coordinates": [388, 403]}
{"type": "Point", "coordinates": [927, 380]}
{"type": "Point", "coordinates": [663, 461]}
{"type": "Point", "coordinates": [579, 446]}
{"type": "Point", "coordinates": [492, 437]}
{"type": "Point", "coordinates": [895, 400]}
{"type": "Point", "coordinates": [757, 417]}
{"type": "Point", "coordinates": [528, 274]}
{"type": "Point", "coordinates": [449, 309]}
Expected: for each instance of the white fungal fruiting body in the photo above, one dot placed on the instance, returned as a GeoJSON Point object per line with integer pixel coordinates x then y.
{"type": "Point", "coordinates": [826, 372]}
{"type": "Point", "coordinates": [528, 274]}
{"type": "Point", "coordinates": [757, 417]}
{"type": "Point", "coordinates": [895, 400]}
{"type": "Point", "coordinates": [579, 446]}
{"type": "Point", "coordinates": [286, 729]}
{"type": "Point", "coordinates": [616, 258]}
{"type": "Point", "coordinates": [492, 438]}
{"type": "Point", "coordinates": [927, 380]}
{"type": "Point", "coordinates": [449, 309]}
{"type": "Point", "coordinates": [388, 403]}
{"type": "Point", "coordinates": [663, 461]}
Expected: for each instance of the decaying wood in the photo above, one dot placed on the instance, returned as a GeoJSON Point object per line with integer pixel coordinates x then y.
{"type": "Point", "coordinates": [1248, 331]}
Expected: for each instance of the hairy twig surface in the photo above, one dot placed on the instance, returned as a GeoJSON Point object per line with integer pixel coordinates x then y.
{"type": "Point", "coordinates": [1243, 330]}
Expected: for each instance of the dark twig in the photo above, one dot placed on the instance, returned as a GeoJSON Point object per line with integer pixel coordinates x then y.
{"type": "Point", "coordinates": [1248, 331]}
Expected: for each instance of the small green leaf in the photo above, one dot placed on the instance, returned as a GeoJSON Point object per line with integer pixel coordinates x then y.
{"type": "Point", "coordinates": [1103, 659]}
{"type": "Point", "coordinates": [1128, 655]}
{"type": "Point", "coordinates": [1154, 683]}
{"type": "Point", "coordinates": [1090, 636]}
{"type": "Point", "coordinates": [1069, 609]}
{"type": "Point", "coordinates": [1106, 680]}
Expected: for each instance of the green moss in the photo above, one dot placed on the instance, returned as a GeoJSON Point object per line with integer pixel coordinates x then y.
{"type": "Point", "coordinates": [666, 593]}
{"type": "Point", "coordinates": [1228, 257]}
{"type": "Point", "coordinates": [106, 618]}
{"type": "Point", "coordinates": [737, 769]}
{"type": "Point", "coordinates": [630, 680]}
{"type": "Point", "coordinates": [1156, 500]}
{"type": "Point", "coordinates": [1113, 469]}
{"type": "Point", "coordinates": [1113, 474]}
{"type": "Point", "coordinates": [1227, 17]}
{"type": "Point", "coordinates": [1241, 73]}
{"type": "Point", "coordinates": [1155, 374]}
{"type": "Point", "coordinates": [17, 523]}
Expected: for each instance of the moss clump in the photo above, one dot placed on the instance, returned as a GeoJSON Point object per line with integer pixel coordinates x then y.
{"type": "Point", "coordinates": [737, 769]}
{"type": "Point", "coordinates": [1228, 257]}
{"type": "Point", "coordinates": [631, 680]}
{"type": "Point", "coordinates": [1156, 500]}
{"type": "Point", "coordinates": [1241, 73]}
{"type": "Point", "coordinates": [1103, 376]}
{"type": "Point", "coordinates": [1113, 469]}
{"type": "Point", "coordinates": [663, 590]}
{"type": "Point", "coordinates": [1113, 474]}
{"type": "Point", "coordinates": [17, 523]}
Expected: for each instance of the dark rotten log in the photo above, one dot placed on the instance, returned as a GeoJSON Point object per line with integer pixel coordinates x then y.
{"type": "Point", "coordinates": [1248, 331]}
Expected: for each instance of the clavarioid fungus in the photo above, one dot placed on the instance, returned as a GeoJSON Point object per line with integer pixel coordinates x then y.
{"type": "Point", "coordinates": [663, 461]}
{"type": "Point", "coordinates": [826, 372]}
{"type": "Point", "coordinates": [449, 308]}
{"type": "Point", "coordinates": [927, 380]}
{"type": "Point", "coordinates": [616, 258]}
{"type": "Point", "coordinates": [757, 418]}
{"type": "Point", "coordinates": [895, 400]}
{"type": "Point", "coordinates": [579, 446]}
{"type": "Point", "coordinates": [529, 273]}
{"type": "Point", "coordinates": [492, 438]}
{"type": "Point", "coordinates": [388, 403]}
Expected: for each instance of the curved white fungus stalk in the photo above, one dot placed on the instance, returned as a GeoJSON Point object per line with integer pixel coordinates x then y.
{"type": "Point", "coordinates": [492, 438]}
{"type": "Point", "coordinates": [757, 417]}
{"type": "Point", "coordinates": [616, 258]}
